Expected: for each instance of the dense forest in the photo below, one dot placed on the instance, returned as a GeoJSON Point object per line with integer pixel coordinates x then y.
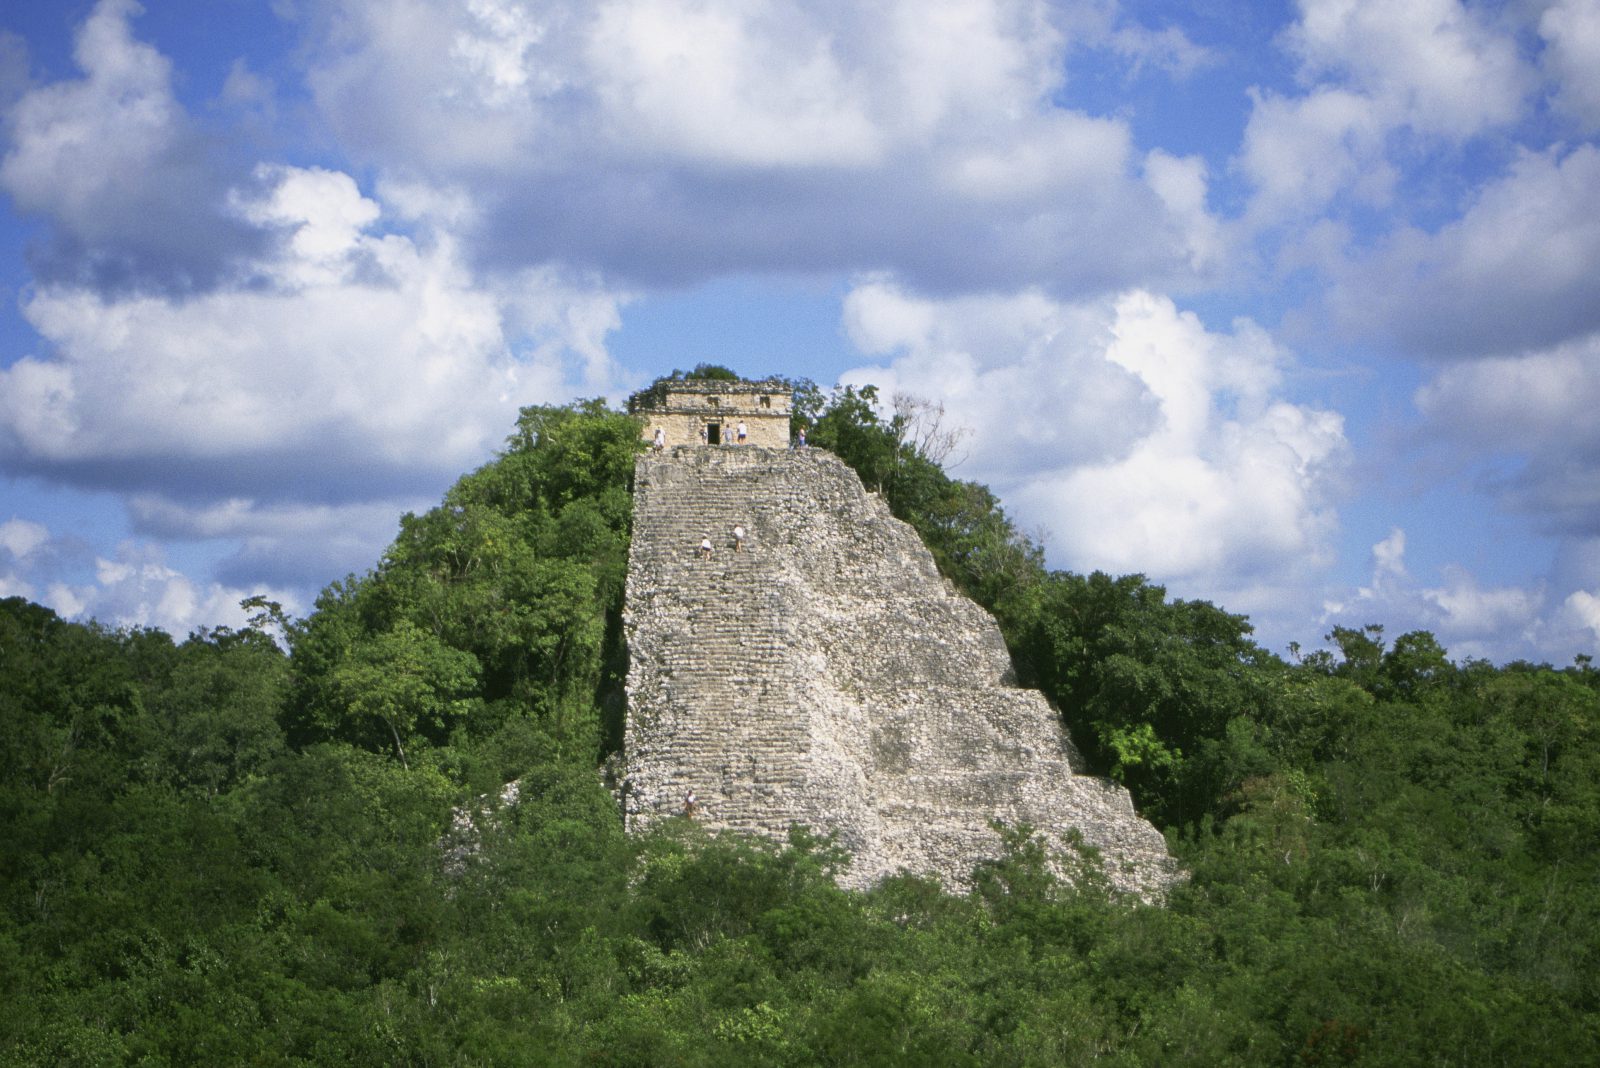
{"type": "Point", "coordinates": [239, 848]}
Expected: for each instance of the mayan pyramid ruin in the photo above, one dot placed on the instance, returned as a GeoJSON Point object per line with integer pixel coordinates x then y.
{"type": "Point", "coordinates": [824, 673]}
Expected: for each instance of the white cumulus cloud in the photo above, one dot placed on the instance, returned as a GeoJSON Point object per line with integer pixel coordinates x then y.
{"type": "Point", "coordinates": [1301, 152]}
{"type": "Point", "coordinates": [351, 366]}
{"type": "Point", "coordinates": [1435, 65]}
{"type": "Point", "coordinates": [77, 145]}
{"type": "Point", "coordinates": [1571, 31]}
{"type": "Point", "coordinates": [1469, 617]}
{"type": "Point", "coordinates": [1438, 72]}
{"type": "Point", "coordinates": [1539, 408]}
{"type": "Point", "coordinates": [375, 354]}
{"type": "Point", "coordinates": [267, 357]}
{"type": "Point", "coordinates": [669, 140]}
{"type": "Point", "coordinates": [113, 161]}
{"type": "Point", "coordinates": [1136, 437]}
{"type": "Point", "coordinates": [1515, 270]}
{"type": "Point", "coordinates": [20, 537]}
{"type": "Point", "coordinates": [320, 213]}
{"type": "Point", "coordinates": [742, 84]}
{"type": "Point", "coordinates": [135, 586]}
{"type": "Point", "coordinates": [1583, 609]}
{"type": "Point", "coordinates": [1466, 607]}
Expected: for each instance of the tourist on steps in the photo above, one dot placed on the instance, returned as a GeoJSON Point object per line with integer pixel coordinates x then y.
{"type": "Point", "coordinates": [705, 547]}
{"type": "Point", "coordinates": [689, 804]}
{"type": "Point", "coordinates": [741, 433]}
{"type": "Point", "coordinates": [738, 537]}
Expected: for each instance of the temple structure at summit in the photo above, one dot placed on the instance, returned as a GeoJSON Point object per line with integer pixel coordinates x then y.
{"type": "Point", "coordinates": [705, 411]}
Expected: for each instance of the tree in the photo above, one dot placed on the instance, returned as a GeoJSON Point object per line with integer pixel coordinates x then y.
{"type": "Point", "coordinates": [218, 711]}
{"type": "Point", "coordinates": [1152, 688]}
{"type": "Point", "coordinates": [1414, 666]}
{"type": "Point", "coordinates": [1361, 653]}
{"type": "Point", "coordinates": [921, 429]}
{"type": "Point", "coordinates": [521, 569]}
{"type": "Point", "coordinates": [408, 680]}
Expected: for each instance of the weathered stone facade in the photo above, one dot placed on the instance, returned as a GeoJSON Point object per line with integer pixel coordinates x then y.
{"type": "Point", "coordinates": [682, 410]}
{"type": "Point", "coordinates": [828, 675]}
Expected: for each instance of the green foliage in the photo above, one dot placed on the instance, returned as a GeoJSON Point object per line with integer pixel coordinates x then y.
{"type": "Point", "coordinates": [216, 852]}
{"type": "Point", "coordinates": [491, 609]}
{"type": "Point", "coordinates": [1169, 697]}
{"type": "Point", "coordinates": [806, 402]}
{"type": "Point", "coordinates": [713, 372]}
{"type": "Point", "coordinates": [408, 680]}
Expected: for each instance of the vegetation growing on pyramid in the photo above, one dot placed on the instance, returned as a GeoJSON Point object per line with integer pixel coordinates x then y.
{"type": "Point", "coordinates": [220, 851]}
{"type": "Point", "coordinates": [489, 626]}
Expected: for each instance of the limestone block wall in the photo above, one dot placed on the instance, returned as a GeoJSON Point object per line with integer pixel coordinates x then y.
{"type": "Point", "coordinates": [828, 675]}
{"type": "Point", "coordinates": [719, 407]}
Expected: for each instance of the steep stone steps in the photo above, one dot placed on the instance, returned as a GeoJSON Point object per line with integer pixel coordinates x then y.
{"type": "Point", "coordinates": [828, 675]}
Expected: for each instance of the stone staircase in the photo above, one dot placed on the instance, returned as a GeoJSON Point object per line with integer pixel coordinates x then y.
{"type": "Point", "coordinates": [828, 675]}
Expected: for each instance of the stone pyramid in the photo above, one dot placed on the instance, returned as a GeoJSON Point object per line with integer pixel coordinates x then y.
{"type": "Point", "coordinates": [828, 675]}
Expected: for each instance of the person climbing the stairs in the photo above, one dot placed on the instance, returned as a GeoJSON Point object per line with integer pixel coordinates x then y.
{"type": "Point", "coordinates": [738, 537]}
{"type": "Point", "coordinates": [705, 547]}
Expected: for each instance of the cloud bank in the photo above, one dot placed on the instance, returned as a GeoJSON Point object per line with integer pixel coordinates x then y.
{"type": "Point", "coordinates": [1135, 437]}
{"type": "Point", "coordinates": [305, 357]}
{"type": "Point", "coordinates": [1204, 284]}
{"type": "Point", "coordinates": [664, 141]}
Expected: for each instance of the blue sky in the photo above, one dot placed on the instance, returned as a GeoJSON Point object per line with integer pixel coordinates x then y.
{"type": "Point", "coordinates": [1294, 308]}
